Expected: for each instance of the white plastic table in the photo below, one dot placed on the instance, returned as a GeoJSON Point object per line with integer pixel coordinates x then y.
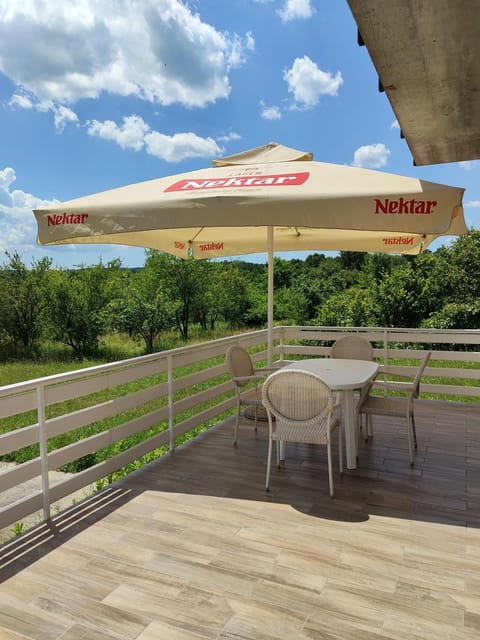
{"type": "Point", "coordinates": [342, 374]}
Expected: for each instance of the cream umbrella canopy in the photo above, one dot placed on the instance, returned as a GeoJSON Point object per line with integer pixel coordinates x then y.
{"type": "Point", "coordinates": [264, 199]}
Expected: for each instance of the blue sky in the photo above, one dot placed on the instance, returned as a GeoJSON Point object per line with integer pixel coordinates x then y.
{"type": "Point", "coordinates": [96, 95]}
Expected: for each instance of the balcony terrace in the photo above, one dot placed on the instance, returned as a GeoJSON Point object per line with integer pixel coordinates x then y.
{"type": "Point", "coordinates": [191, 545]}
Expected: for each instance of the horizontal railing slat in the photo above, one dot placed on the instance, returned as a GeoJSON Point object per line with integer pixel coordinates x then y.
{"type": "Point", "coordinates": [18, 439]}
{"type": "Point", "coordinates": [19, 474]}
{"type": "Point", "coordinates": [19, 403]}
{"type": "Point", "coordinates": [104, 439]}
{"type": "Point", "coordinates": [20, 509]}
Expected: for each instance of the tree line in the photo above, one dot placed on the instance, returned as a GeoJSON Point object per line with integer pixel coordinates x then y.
{"type": "Point", "coordinates": [77, 307]}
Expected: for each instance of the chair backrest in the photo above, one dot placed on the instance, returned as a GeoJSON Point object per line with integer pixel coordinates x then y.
{"type": "Point", "coordinates": [353, 347]}
{"type": "Point", "coordinates": [298, 400]}
{"type": "Point", "coordinates": [239, 363]}
{"type": "Point", "coordinates": [420, 370]}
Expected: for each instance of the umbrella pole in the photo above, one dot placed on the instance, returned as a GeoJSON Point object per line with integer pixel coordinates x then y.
{"type": "Point", "coordinates": [270, 297]}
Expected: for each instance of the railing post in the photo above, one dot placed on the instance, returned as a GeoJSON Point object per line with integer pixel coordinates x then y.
{"type": "Point", "coordinates": [171, 442]}
{"type": "Point", "coordinates": [42, 440]}
{"type": "Point", "coordinates": [385, 357]}
{"type": "Point", "coordinates": [281, 343]}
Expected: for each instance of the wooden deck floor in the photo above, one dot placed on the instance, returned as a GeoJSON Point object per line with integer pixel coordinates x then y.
{"type": "Point", "coordinates": [192, 547]}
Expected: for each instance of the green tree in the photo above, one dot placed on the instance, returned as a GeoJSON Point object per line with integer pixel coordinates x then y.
{"type": "Point", "coordinates": [232, 293]}
{"type": "Point", "coordinates": [396, 298]}
{"type": "Point", "coordinates": [455, 316]}
{"type": "Point", "coordinates": [77, 305]}
{"type": "Point", "coordinates": [290, 306]}
{"type": "Point", "coordinates": [322, 279]}
{"type": "Point", "coordinates": [23, 301]}
{"type": "Point", "coordinates": [353, 260]}
{"type": "Point", "coordinates": [184, 281]}
{"type": "Point", "coordinates": [464, 257]}
{"type": "Point", "coordinates": [353, 307]}
{"type": "Point", "coordinates": [257, 312]}
{"type": "Point", "coordinates": [142, 310]}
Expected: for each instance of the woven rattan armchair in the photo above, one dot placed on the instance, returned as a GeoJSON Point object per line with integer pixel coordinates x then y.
{"type": "Point", "coordinates": [355, 347]}
{"type": "Point", "coordinates": [396, 405]}
{"type": "Point", "coordinates": [247, 380]}
{"type": "Point", "coordinates": [301, 408]}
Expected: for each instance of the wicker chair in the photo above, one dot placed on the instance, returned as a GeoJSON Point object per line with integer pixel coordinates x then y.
{"type": "Point", "coordinates": [353, 347]}
{"type": "Point", "coordinates": [397, 406]}
{"type": "Point", "coordinates": [243, 373]}
{"type": "Point", "coordinates": [305, 411]}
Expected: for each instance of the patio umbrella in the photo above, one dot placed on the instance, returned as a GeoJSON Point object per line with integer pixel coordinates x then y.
{"type": "Point", "coordinates": [264, 199]}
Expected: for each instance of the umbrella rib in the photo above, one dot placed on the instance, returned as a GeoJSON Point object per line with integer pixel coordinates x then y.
{"type": "Point", "coordinates": [192, 240]}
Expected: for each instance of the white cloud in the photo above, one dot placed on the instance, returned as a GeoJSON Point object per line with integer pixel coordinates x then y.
{"type": "Point", "coordinates": [21, 100]}
{"type": "Point", "coordinates": [474, 204]}
{"type": "Point", "coordinates": [130, 135]}
{"type": "Point", "coordinates": [270, 113]}
{"type": "Point", "coordinates": [136, 134]}
{"type": "Point", "coordinates": [371, 156]}
{"type": "Point", "coordinates": [395, 125]}
{"type": "Point", "coordinates": [295, 9]}
{"type": "Point", "coordinates": [236, 53]}
{"type": "Point", "coordinates": [63, 116]}
{"type": "Point", "coordinates": [308, 82]}
{"type": "Point", "coordinates": [17, 223]}
{"type": "Point", "coordinates": [7, 176]}
{"type": "Point", "coordinates": [228, 137]}
{"type": "Point", "coordinates": [180, 146]}
{"type": "Point", "coordinates": [156, 50]}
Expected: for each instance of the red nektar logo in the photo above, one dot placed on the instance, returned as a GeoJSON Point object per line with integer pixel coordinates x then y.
{"type": "Point", "coordinates": [211, 246]}
{"type": "Point", "coordinates": [399, 240]}
{"type": "Point", "coordinates": [274, 180]}
{"type": "Point", "coordinates": [403, 205]}
{"type": "Point", "coordinates": [66, 218]}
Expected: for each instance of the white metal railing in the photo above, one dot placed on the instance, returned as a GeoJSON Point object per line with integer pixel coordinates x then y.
{"type": "Point", "coordinates": [175, 391]}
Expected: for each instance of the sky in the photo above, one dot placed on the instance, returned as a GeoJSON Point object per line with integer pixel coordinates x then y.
{"type": "Point", "coordinates": [97, 94]}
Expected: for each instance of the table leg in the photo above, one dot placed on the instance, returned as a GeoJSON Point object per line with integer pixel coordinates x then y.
{"type": "Point", "coordinates": [349, 426]}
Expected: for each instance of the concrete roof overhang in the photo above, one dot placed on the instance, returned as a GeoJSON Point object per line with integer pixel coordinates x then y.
{"type": "Point", "coordinates": [426, 54]}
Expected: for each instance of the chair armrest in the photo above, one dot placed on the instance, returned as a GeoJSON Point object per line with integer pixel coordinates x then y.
{"type": "Point", "coordinates": [245, 379]}
{"type": "Point", "coordinates": [275, 367]}
{"type": "Point", "coordinates": [395, 385]}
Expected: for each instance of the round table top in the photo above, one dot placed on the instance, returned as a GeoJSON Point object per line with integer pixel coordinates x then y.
{"type": "Point", "coordinates": [339, 373]}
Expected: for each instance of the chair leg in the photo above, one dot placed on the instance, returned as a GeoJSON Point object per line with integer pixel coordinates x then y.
{"type": "Point", "coordinates": [269, 461]}
{"type": "Point", "coordinates": [237, 419]}
{"type": "Point", "coordinates": [330, 471]}
{"type": "Point", "coordinates": [358, 430]}
{"type": "Point", "coordinates": [409, 436]}
{"type": "Point", "coordinates": [414, 430]}
{"type": "Point", "coordinates": [369, 426]}
{"type": "Point", "coordinates": [340, 449]}
{"type": "Point", "coordinates": [365, 417]}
